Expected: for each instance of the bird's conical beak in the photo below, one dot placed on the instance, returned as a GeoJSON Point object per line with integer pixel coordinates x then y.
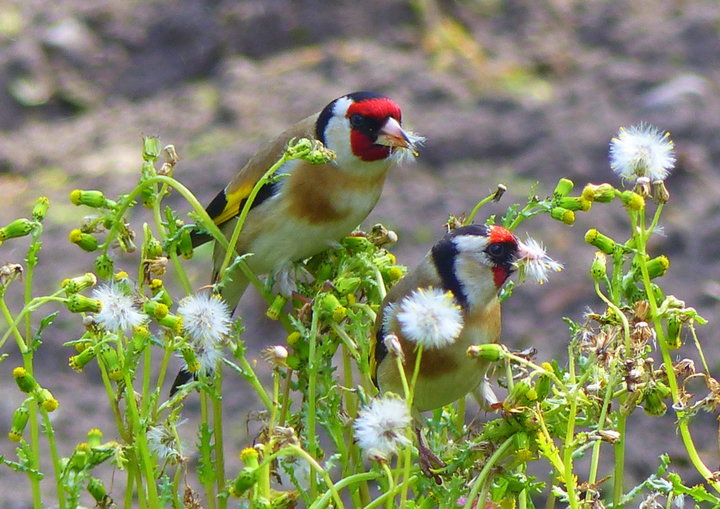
{"type": "Point", "coordinates": [392, 135]}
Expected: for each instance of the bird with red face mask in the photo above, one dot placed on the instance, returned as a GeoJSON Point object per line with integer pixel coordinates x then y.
{"type": "Point", "coordinates": [447, 303]}
{"type": "Point", "coordinates": [313, 206]}
{"type": "Point", "coordinates": [300, 215]}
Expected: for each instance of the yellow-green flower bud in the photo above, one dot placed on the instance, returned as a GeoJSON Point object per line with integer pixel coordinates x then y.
{"type": "Point", "coordinates": [104, 266]}
{"type": "Point", "coordinates": [185, 247]}
{"type": "Point", "coordinates": [674, 330]}
{"type": "Point", "coordinates": [160, 294]}
{"type": "Point", "coordinates": [603, 193]}
{"type": "Point", "coordinates": [191, 362]}
{"type": "Point", "coordinates": [598, 269]}
{"type": "Point", "coordinates": [329, 305]}
{"type": "Point", "coordinates": [152, 247]}
{"type": "Point", "coordinates": [172, 322]}
{"type": "Point", "coordinates": [246, 479]}
{"type": "Point", "coordinates": [18, 228]}
{"type": "Point", "coordinates": [276, 307]}
{"type": "Point", "coordinates": [78, 284]}
{"type": "Point", "coordinates": [112, 363]}
{"type": "Point", "coordinates": [345, 285]}
{"type": "Point", "coordinates": [40, 209]}
{"type": "Point", "coordinates": [85, 241]}
{"type": "Point", "coordinates": [658, 266]}
{"type": "Point", "coordinates": [357, 243]}
{"type": "Point", "coordinates": [79, 361]}
{"type": "Point", "coordinates": [94, 199]}
{"type": "Point", "coordinates": [319, 154]}
{"type": "Point", "coordinates": [249, 456]}
{"type": "Point", "coordinates": [653, 397]}
{"type": "Point", "coordinates": [94, 437]}
{"type": "Point", "coordinates": [97, 489]}
{"type": "Point", "coordinates": [151, 148]}
{"type": "Point", "coordinates": [574, 203]}
{"type": "Point", "coordinates": [660, 193]}
{"type": "Point", "coordinates": [298, 147]}
{"type": "Point", "coordinates": [293, 338]}
{"type": "Point", "coordinates": [518, 394]}
{"type": "Point", "coordinates": [141, 337]}
{"type": "Point", "coordinates": [488, 352]}
{"type": "Point", "coordinates": [394, 273]}
{"type": "Point", "coordinates": [19, 422]}
{"type": "Point", "coordinates": [563, 187]}
{"type": "Point", "coordinates": [147, 195]}
{"type": "Point", "coordinates": [24, 380]}
{"type": "Point", "coordinates": [157, 310]}
{"type": "Point", "coordinates": [600, 241]}
{"type": "Point", "coordinates": [632, 200]}
{"type": "Point", "coordinates": [77, 303]}
{"type": "Point", "coordinates": [542, 386]}
{"type": "Point", "coordinates": [47, 401]}
{"type": "Point", "coordinates": [562, 214]}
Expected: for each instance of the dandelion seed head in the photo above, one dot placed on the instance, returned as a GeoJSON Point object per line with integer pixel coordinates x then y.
{"type": "Point", "coordinates": [118, 311]}
{"type": "Point", "coordinates": [642, 151]}
{"type": "Point", "coordinates": [163, 444]}
{"type": "Point", "coordinates": [431, 317]}
{"type": "Point", "coordinates": [381, 427]}
{"type": "Point", "coordinates": [533, 261]}
{"type": "Point", "coordinates": [206, 318]}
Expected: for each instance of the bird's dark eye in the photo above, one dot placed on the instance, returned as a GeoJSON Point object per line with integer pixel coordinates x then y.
{"type": "Point", "coordinates": [501, 253]}
{"type": "Point", "coordinates": [356, 120]}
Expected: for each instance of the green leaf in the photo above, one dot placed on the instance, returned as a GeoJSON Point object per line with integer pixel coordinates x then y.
{"type": "Point", "coordinates": [206, 468]}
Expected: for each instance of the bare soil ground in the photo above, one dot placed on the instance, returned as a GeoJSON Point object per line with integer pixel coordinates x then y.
{"type": "Point", "coordinates": [506, 92]}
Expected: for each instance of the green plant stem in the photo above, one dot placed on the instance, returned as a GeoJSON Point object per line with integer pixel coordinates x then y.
{"type": "Point", "coordinates": [391, 483]}
{"type": "Point", "coordinates": [390, 494]}
{"type": "Point", "coordinates": [32, 409]}
{"type": "Point", "coordinates": [619, 446]}
{"type": "Point", "coordinates": [246, 371]}
{"type": "Point", "coordinates": [682, 422]}
{"type": "Point", "coordinates": [218, 428]}
{"type": "Point", "coordinates": [299, 451]}
{"type": "Point", "coordinates": [408, 452]}
{"type": "Point", "coordinates": [619, 449]}
{"type": "Point", "coordinates": [311, 397]}
{"type": "Point", "coordinates": [595, 460]}
{"type": "Point", "coordinates": [57, 467]}
{"type": "Point", "coordinates": [140, 439]}
{"type": "Point", "coordinates": [570, 431]}
{"type": "Point", "coordinates": [485, 472]}
{"type": "Point", "coordinates": [477, 208]}
{"type": "Point", "coordinates": [207, 481]}
{"type": "Point", "coordinates": [179, 269]}
{"type": "Point", "coordinates": [361, 478]}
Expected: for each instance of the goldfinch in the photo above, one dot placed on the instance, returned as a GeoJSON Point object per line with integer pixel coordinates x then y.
{"type": "Point", "coordinates": [315, 206]}
{"type": "Point", "coordinates": [468, 267]}
{"type": "Point", "coordinates": [300, 215]}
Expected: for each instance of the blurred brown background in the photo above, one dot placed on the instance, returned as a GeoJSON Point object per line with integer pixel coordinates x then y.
{"type": "Point", "coordinates": [512, 92]}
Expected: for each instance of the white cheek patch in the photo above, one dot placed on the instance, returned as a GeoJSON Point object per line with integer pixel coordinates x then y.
{"type": "Point", "coordinates": [337, 131]}
{"type": "Point", "coordinates": [471, 243]}
{"type": "Point", "coordinates": [476, 278]}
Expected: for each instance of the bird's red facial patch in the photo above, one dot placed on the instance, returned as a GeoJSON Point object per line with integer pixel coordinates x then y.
{"type": "Point", "coordinates": [374, 112]}
{"type": "Point", "coordinates": [378, 108]}
{"type": "Point", "coordinates": [500, 234]}
{"type": "Point", "coordinates": [500, 275]}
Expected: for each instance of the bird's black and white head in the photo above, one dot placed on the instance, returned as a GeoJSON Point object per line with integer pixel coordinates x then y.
{"type": "Point", "coordinates": [475, 261]}
{"type": "Point", "coordinates": [365, 127]}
